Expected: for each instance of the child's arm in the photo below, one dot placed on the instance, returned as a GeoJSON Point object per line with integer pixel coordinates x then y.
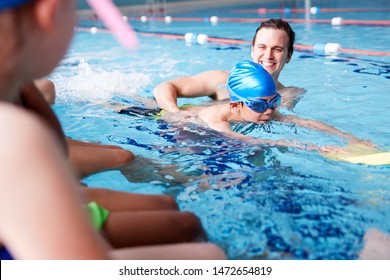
{"type": "Point", "coordinates": [320, 126]}
{"type": "Point", "coordinates": [224, 126]}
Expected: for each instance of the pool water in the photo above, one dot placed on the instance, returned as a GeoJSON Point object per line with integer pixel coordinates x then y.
{"type": "Point", "coordinates": [255, 202]}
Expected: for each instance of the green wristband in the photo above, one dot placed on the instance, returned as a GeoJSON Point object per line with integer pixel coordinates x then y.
{"type": "Point", "coordinates": [97, 214]}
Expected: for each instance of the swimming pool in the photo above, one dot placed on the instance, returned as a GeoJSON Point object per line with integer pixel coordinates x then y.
{"type": "Point", "coordinates": [254, 202]}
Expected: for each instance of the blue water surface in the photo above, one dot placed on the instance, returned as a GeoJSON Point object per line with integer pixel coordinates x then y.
{"type": "Point", "coordinates": [256, 202]}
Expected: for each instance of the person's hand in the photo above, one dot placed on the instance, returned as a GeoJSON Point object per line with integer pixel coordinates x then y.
{"type": "Point", "coordinates": [333, 149]}
{"type": "Point", "coordinates": [376, 247]}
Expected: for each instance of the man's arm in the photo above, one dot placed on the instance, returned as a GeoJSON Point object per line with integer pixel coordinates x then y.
{"type": "Point", "coordinates": [203, 84]}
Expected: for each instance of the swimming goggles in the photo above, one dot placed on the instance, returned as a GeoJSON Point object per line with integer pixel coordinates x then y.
{"type": "Point", "coordinates": [260, 105]}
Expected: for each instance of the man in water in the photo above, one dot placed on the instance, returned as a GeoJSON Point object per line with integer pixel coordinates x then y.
{"type": "Point", "coordinates": [272, 47]}
{"type": "Point", "coordinates": [253, 98]}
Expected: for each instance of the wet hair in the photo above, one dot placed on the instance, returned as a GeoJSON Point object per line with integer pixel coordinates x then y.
{"type": "Point", "coordinates": [278, 24]}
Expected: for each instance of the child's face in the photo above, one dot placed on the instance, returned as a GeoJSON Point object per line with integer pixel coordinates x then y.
{"type": "Point", "coordinates": [252, 116]}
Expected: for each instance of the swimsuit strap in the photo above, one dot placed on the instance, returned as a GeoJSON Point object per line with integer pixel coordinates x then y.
{"type": "Point", "coordinates": [4, 254]}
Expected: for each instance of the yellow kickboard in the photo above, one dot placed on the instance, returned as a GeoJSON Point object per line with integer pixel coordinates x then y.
{"type": "Point", "coordinates": [358, 153]}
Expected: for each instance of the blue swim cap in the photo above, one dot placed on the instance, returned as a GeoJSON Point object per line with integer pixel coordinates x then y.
{"type": "Point", "coordinates": [9, 4]}
{"type": "Point", "coordinates": [249, 81]}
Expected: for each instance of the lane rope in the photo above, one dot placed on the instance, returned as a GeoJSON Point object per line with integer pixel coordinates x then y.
{"type": "Point", "coordinates": [214, 20]}
{"type": "Point", "coordinates": [297, 11]}
{"type": "Point", "coordinates": [258, 20]}
{"type": "Point", "coordinates": [326, 48]}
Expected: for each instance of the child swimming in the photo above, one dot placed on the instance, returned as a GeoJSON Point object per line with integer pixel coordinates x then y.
{"type": "Point", "coordinates": [253, 98]}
